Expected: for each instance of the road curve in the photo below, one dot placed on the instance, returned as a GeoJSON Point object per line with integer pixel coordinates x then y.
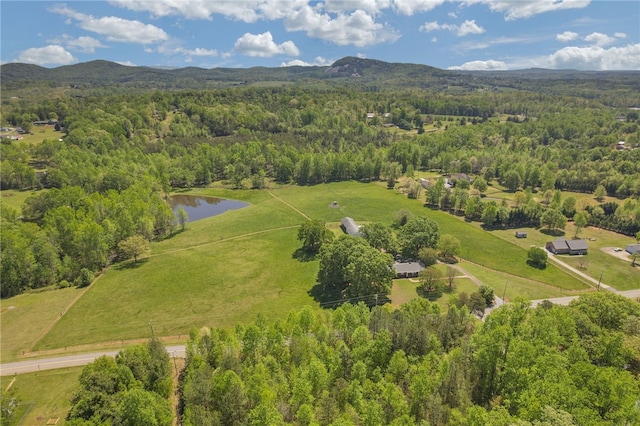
{"type": "Point", "coordinates": [66, 361]}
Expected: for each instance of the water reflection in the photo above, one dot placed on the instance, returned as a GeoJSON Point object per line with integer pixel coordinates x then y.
{"type": "Point", "coordinates": [199, 207]}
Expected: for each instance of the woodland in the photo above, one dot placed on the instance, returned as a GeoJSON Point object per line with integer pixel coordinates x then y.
{"type": "Point", "coordinates": [99, 191]}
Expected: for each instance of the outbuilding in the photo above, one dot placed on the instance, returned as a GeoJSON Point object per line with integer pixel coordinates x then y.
{"type": "Point", "coordinates": [521, 234]}
{"type": "Point", "coordinates": [350, 227]}
{"type": "Point", "coordinates": [632, 248]}
{"type": "Point", "coordinates": [564, 246]}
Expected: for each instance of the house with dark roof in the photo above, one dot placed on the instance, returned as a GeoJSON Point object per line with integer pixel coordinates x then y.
{"type": "Point", "coordinates": [407, 269]}
{"type": "Point", "coordinates": [350, 227]}
{"type": "Point", "coordinates": [632, 248]}
{"type": "Point", "coordinates": [564, 246]}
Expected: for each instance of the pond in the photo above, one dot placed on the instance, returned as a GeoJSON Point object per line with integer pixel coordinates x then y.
{"type": "Point", "coordinates": [199, 207]}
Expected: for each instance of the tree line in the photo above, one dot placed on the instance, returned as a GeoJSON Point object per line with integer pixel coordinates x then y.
{"type": "Point", "coordinates": [420, 364]}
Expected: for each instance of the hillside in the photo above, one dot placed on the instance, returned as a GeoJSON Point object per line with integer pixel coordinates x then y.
{"type": "Point", "coordinates": [621, 89]}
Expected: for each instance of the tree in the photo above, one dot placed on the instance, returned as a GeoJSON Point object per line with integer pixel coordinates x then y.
{"type": "Point", "coordinates": [599, 193]}
{"type": "Point", "coordinates": [313, 235]}
{"type": "Point", "coordinates": [520, 198]}
{"type": "Point", "coordinates": [449, 247]}
{"type": "Point", "coordinates": [487, 294]}
{"type": "Point", "coordinates": [379, 236]}
{"type": "Point", "coordinates": [537, 257]}
{"type": "Point", "coordinates": [430, 279]}
{"type": "Point", "coordinates": [401, 217]}
{"type": "Point", "coordinates": [418, 232]}
{"type": "Point", "coordinates": [480, 184]}
{"type": "Point", "coordinates": [569, 206]}
{"type": "Point", "coordinates": [351, 267]}
{"type": "Point", "coordinates": [135, 246]}
{"type": "Point", "coordinates": [553, 219]}
{"type": "Point", "coordinates": [547, 196]}
{"type": "Point", "coordinates": [182, 218]}
{"type": "Point", "coordinates": [490, 214]}
{"type": "Point", "coordinates": [451, 275]}
{"type": "Point", "coordinates": [428, 256]}
{"type": "Point", "coordinates": [512, 180]}
{"type": "Point", "coordinates": [580, 221]}
{"type": "Point", "coordinates": [140, 407]}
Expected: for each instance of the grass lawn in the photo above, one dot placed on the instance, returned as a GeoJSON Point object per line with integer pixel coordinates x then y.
{"type": "Point", "coordinates": [44, 395]}
{"type": "Point", "coordinates": [405, 290]}
{"type": "Point", "coordinates": [515, 286]}
{"type": "Point", "coordinates": [14, 199]}
{"type": "Point", "coordinates": [26, 317]}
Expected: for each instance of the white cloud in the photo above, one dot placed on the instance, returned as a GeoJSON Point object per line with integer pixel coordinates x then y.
{"type": "Point", "coordinates": [597, 58]}
{"type": "Point", "coordinates": [567, 36]}
{"type": "Point", "coordinates": [194, 9]}
{"type": "Point", "coordinates": [171, 48]}
{"type": "Point", "coordinates": [599, 39]}
{"type": "Point", "coordinates": [528, 8]}
{"type": "Point", "coordinates": [434, 40]}
{"type": "Point", "coordinates": [317, 62]}
{"type": "Point", "coordinates": [371, 6]}
{"type": "Point", "coordinates": [357, 29]}
{"type": "Point", "coordinates": [262, 45]}
{"type": "Point", "coordinates": [114, 28]}
{"type": "Point", "coordinates": [48, 55]}
{"type": "Point", "coordinates": [409, 7]}
{"type": "Point", "coordinates": [84, 44]}
{"type": "Point", "coordinates": [620, 35]}
{"type": "Point", "coordinates": [489, 65]}
{"type": "Point", "coordinates": [126, 63]}
{"type": "Point", "coordinates": [467, 27]}
{"type": "Point", "coordinates": [361, 55]}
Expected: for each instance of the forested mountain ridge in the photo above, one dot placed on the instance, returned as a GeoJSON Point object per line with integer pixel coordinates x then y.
{"type": "Point", "coordinates": [618, 88]}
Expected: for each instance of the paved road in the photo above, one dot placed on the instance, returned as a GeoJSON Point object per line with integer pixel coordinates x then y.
{"type": "Point", "coordinates": [34, 365]}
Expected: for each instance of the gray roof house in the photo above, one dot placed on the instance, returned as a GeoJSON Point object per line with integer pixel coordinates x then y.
{"type": "Point", "coordinates": [349, 226]}
{"type": "Point", "coordinates": [632, 248]}
{"type": "Point", "coordinates": [407, 269]}
{"type": "Point", "coordinates": [564, 246]}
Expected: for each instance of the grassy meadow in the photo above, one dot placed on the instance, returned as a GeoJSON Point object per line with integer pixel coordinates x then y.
{"type": "Point", "coordinates": [226, 269]}
{"type": "Point", "coordinates": [27, 317]}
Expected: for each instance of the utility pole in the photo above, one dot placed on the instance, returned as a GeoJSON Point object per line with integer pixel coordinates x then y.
{"type": "Point", "coordinates": [600, 279]}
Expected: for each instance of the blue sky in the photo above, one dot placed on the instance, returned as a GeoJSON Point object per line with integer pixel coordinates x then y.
{"type": "Point", "coordinates": [470, 34]}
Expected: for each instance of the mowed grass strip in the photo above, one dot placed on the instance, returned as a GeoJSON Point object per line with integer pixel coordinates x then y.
{"type": "Point", "coordinates": [374, 203]}
{"type": "Point", "coordinates": [215, 285]}
{"type": "Point", "coordinates": [27, 316]}
{"type": "Point", "coordinates": [515, 286]}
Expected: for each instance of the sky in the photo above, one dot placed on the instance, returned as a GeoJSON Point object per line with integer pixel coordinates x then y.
{"type": "Point", "coordinates": [467, 34]}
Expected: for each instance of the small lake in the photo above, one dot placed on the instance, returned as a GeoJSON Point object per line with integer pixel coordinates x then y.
{"type": "Point", "coordinates": [198, 207]}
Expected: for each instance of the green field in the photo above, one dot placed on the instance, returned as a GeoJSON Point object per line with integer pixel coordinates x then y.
{"type": "Point", "coordinates": [26, 318]}
{"type": "Point", "coordinates": [405, 290]}
{"type": "Point", "coordinates": [44, 395]}
{"type": "Point", "coordinates": [226, 269]}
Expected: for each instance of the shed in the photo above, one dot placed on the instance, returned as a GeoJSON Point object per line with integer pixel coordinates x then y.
{"type": "Point", "coordinates": [521, 234]}
{"type": "Point", "coordinates": [632, 248]}
{"type": "Point", "coordinates": [407, 269]}
{"type": "Point", "coordinates": [349, 226]}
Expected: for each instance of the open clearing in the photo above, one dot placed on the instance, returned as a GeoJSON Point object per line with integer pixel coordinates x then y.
{"type": "Point", "coordinates": [226, 269]}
